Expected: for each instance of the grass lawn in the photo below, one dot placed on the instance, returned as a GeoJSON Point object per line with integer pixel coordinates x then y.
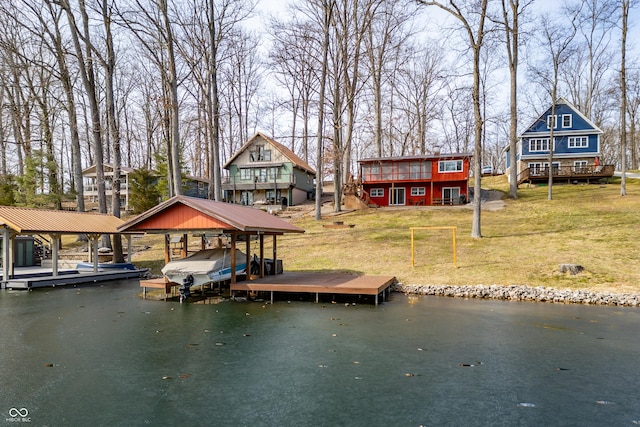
{"type": "Point", "coordinates": [522, 244]}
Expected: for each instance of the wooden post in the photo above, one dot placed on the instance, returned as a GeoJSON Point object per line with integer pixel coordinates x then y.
{"type": "Point", "coordinates": [248, 251]}
{"type": "Point", "coordinates": [233, 258]}
{"type": "Point", "coordinates": [55, 244]}
{"type": "Point", "coordinates": [93, 241]}
{"type": "Point", "coordinates": [167, 248]}
{"type": "Point", "coordinates": [185, 245]}
{"type": "Point", "coordinates": [261, 255]}
{"type": "Point", "coordinates": [129, 247]}
{"type": "Point", "coordinates": [275, 255]}
{"type": "Point", "coordinates": [6, 253]}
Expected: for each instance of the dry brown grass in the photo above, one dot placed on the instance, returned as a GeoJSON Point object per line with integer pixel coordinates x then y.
{"type": "Point", "coordinates": [522, 244]}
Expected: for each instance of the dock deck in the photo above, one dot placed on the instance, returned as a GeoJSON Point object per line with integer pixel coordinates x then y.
{"type": "Point", "coordinates": [318, 283]}
{"type": "Point", "coordinates": [69, 278]}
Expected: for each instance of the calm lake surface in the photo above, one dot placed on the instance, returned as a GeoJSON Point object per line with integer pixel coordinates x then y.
{"type": "Point", "coordinates": [101, 356]}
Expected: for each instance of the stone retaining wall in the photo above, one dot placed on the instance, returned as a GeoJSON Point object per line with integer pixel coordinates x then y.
{"type": "Point", "coordinates": [523, 293]}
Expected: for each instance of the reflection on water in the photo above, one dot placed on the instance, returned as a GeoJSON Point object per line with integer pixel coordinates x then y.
{"type": "Point", "coordinates": [101, 355]}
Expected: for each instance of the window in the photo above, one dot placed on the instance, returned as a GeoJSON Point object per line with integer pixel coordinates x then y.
{"type": "Point", "coordinates": [274, 173]}
{"type": "Point", "coordinates": [402, 170]}
{"type": "Point", "coordinates": [387, 172]}
{"type": "Point", "coordinates": [246, 174]}
{"type": "Point", "coordinates": [552, 121]}
{"type": "Point", "coordinates": [396, 196]}
{"type": "Point", "coordinates": [417, 191]}
{"type": "Point", "coordinates": [542, 169]}
{"type": "Point", "coordinates": [539, 144]}
{"type": "Point", "coordinates": [536, 169]}
{"type": "Point", "coordinates": [578, 142]}
{"type": "Point", "coordinates": [420, 170]}
{"type": "Point", "coordinates": [376, 192]}
{"type": "Point", "coordinates": [451, 195]}
{"type": "Point", "coordinates": [566, 120]}
{"type": "Point", "coordinates": [450, 166]}
{"type": "Point", "coordinates": [260, 154]}
{"type": "Point", "coordinates": [414, 168]}
{"type": "Point", "coordinates": [580, 166]}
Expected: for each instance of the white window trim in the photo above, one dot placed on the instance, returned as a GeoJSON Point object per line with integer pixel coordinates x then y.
{"type": "Point", "coordinates": [578, 142]}
{"type": "Point", "coordinates": [570, 120]}
{"type": "Point", "coordinates": [554, 119]}
{"type": "Point", "coordinates": [543, 141]}
{"type": "Point", "coordinates": [418, 191]}
{"type": "Point", "coordinates": [580, 164]}
{"type": "Point", "coordinates": [442, 169]}
{"type": "Point", "coordinates": [392, 193]}
{"type": "Point", "coordinates": [379, 192]}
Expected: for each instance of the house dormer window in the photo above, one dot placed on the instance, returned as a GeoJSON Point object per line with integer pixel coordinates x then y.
{"type": "Point", "coordinates": [259, 154]}
{"type": "Point", "coordinates": [552, 121]}
{"type": "Point", "coordinates": [567, 120]}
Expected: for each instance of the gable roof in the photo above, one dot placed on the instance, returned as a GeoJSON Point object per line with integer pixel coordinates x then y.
{"type": "Point", "coordinates": [560, 101]}
{"type": "Point", "coordinates": [293, 158]}
{"type": "Point", "coordinates": [106, 166]}
{"type": "Point", "coordinates": [183, 213]}
{"type": "Point", "coordinates": [35, 221]}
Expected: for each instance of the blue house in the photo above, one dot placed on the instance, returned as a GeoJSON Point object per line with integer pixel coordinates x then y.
{"type": "Point", "coordinates": [576, 148]}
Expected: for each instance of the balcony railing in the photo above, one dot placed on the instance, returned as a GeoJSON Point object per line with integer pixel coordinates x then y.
{"type": "Point", "coordinates": [569, 173]}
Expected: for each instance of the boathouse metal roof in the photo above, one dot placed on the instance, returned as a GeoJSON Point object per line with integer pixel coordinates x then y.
{"type": "Point", "coordinates": [36, 221]}
{"type": "Point", "coordinates": [183, 213]}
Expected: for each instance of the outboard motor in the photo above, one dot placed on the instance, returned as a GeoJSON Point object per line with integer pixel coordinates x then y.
{"type": "Point", "coordinates": [185, 288]}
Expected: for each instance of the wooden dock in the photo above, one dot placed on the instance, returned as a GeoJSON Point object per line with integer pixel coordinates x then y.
{"type": "Point", "coordinates": [158, 283]}
{"type": "Point", "coordinates": [318, 283]}
{"type": "Point", "coordinates": [66, 279]}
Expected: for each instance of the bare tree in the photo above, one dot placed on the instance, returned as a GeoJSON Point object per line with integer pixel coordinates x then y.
{"type": "Point", "coordinates": [417, 84]}
{"type": "Point", "coordinates": [624, 17]}
{"type": "Point", "coordinates": [512, 10]}
{"type": "Point", "coordinates": [327, 15]}
{"type": "Point", "coordinates": [87, 73]}
{"type": "Point", "coordinates": [294, 57]}
{"type": "Point", "coordinates": [384, 38]}
{"type": "Point", "coordinates": [556, 38]}
{"type": "Point", "coordinates": [464, 12]}
{"type": "Point", "coordinates": [633, 110]}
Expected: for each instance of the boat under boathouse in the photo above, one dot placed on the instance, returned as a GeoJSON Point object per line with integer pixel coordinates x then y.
{"type": "Point", "coordinates": [19, 221]}
{"type": "Point", "coordinates": [184, 215]}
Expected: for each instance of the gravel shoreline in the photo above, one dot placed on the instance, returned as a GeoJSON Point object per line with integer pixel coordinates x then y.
{"type": "Point", "coordinates": [523, 293]}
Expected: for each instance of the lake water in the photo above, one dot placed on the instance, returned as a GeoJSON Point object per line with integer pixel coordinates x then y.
{"type": "Point", "coordinates": [102, 356]}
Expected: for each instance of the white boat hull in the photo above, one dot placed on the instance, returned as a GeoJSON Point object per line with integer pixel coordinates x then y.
{"type": "Point", "coordinates": [206, 266]}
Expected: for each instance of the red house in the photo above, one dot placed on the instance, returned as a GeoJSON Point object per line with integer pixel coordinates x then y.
{"type": "Point", "coordinates": [415, 180]}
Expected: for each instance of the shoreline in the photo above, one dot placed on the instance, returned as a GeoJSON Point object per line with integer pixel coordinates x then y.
{"type": "Point", "coordinates": [523, 293]}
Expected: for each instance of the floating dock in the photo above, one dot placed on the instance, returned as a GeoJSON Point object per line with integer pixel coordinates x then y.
{"type": "Point", "coordinates": [319, 283]}
{"type": "Point", "coordinates": [69, 278]}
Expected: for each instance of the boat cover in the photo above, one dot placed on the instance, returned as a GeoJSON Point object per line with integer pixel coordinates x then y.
{"type": "Point", "coordinates": [203, 262]}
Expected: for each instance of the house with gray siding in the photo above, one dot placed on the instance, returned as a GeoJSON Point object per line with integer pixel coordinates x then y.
{"type": "Point", "coordinates": [265, 172]}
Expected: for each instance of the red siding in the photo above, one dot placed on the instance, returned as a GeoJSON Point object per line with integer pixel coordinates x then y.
{"type": "Point", "coordinates": [181, 217]}
{"type": "Point", "coordinates": [399, 171]}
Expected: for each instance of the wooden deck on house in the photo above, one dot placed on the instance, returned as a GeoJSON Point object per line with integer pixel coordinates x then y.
{"type": "Point", "coordinates": [568, 174]}
{"type": "Point", "coordinates": [318, 283]}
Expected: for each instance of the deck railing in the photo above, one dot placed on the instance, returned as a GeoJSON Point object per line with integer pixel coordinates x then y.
{"type": "Point", "coordinates": [570, 173]}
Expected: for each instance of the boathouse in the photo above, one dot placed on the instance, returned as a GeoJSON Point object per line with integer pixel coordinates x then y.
{"type": "Point", "coordinates": [15, 221]}
{"type": "Point", "coordinates": [184, 215]}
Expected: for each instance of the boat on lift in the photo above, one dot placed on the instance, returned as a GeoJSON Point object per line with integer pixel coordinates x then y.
{"type": "Point", "coordinates": [204, 267]}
